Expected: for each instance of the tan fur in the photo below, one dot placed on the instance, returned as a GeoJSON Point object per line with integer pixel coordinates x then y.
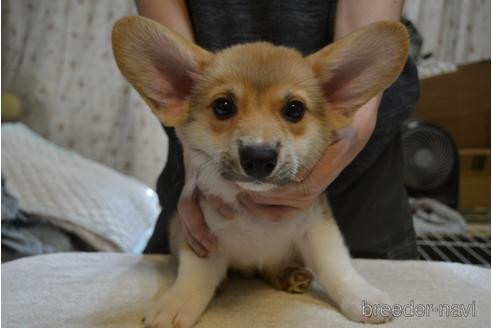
{"type": "Point", "coordinates": [167, 113]}
{"type": "Point", "coordinates": [180, 82]}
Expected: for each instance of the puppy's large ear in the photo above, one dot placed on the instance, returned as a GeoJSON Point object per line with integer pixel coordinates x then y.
{"type": "Point", "coordinates": [159, 64]}
{"type": "Point", "coordinates": [357, 67]}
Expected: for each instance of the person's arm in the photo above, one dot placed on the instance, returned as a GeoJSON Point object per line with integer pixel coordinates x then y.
{"type": "Point", "coordinates": [290, 201]}
{"type": "Point", "coordinates": [174, 15]}
{"type": "Point", "coordinates": [353, 14]}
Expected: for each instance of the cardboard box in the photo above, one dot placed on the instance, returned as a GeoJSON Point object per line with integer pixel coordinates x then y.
{"type": "Point", "coordinates": [460, 103]}
{"type": "Point", "coordinates": [474, 191]}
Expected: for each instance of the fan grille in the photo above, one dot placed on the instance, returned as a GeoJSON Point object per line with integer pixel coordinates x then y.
{"type": "Point", "coordinates": [429, 156]}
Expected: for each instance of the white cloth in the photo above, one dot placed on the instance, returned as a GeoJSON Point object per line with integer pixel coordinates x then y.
{"type": "Point", "coordinates": [108, 210]}
{"type": "Point", "coordinates": [430, 215]}
{"type": "Point", "coordinates": [114, 290]}
{"type": "Point", "coordinates": [57, 58]}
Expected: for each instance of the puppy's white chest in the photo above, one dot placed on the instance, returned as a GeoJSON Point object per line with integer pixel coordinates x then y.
{"type": "Point", "coordinates": [250, 243]}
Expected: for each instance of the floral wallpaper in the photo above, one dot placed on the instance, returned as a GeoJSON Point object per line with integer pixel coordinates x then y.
{"type": "Point", "coordinates": [57, 58]}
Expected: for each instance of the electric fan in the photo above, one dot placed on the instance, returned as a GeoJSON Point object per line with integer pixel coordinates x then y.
{"type": "Point", "coordinates": [431, 162]}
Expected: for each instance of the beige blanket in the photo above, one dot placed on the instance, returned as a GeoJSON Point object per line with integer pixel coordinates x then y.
{"type": "Point", "coordinates": [114, 290]}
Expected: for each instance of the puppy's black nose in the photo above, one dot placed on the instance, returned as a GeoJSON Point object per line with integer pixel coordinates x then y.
{"type": "Point", "coordinates": [258, 161]}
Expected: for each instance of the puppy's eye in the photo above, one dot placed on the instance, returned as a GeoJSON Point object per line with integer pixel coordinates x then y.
{"type": "Point", "coordinates": [223, 108]}
{"type": "Point", "coordinates": [294, 111]}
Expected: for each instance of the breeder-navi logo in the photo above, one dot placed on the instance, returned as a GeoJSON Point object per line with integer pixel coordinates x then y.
{"type": "Point", "coordinates": [419, 310]}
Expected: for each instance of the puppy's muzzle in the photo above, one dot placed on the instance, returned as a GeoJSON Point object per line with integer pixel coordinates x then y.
{"type": "Point", "coordinates": [258, 161]}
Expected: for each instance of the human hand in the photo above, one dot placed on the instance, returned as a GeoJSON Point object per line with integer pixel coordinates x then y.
{"type": "Point", "coordinates": [291, 200]}
{"type": "Point", "coordinates": [198, 235]}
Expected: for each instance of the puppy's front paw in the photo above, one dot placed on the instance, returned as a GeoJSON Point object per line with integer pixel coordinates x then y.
{"type": "Point", "coordinates": [367, 304]}
{"type": "Point", "coordinates": [172, 315]}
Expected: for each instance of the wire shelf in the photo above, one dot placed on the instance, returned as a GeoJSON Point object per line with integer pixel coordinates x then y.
{"type": "Point", "coordinates": [472, 247]}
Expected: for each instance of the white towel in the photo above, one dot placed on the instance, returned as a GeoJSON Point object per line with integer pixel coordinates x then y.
{"type": "Point", "coordinates": [110, 211]}
{"type": "Point", "coordinates": [115, 290]}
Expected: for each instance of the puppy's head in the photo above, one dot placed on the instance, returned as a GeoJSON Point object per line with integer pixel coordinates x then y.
{"type": "Point", "coordinates": [255, 112]}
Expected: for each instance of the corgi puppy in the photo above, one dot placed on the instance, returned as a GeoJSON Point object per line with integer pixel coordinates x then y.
{"type": "Point", "coordinates": [253, 115]}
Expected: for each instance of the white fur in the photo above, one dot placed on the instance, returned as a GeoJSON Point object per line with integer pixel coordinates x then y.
{"type": "Point", "coordinates": [248, 243]}
{"type": "Point", "coordinates": [251, 186]}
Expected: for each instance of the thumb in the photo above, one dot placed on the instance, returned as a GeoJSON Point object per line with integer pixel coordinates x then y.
{"type": "Point", "coordinates": [328, 161]}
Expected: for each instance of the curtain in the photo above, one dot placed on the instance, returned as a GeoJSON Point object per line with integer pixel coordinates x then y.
{"type": "Point", "coordinates": [456, 31]}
